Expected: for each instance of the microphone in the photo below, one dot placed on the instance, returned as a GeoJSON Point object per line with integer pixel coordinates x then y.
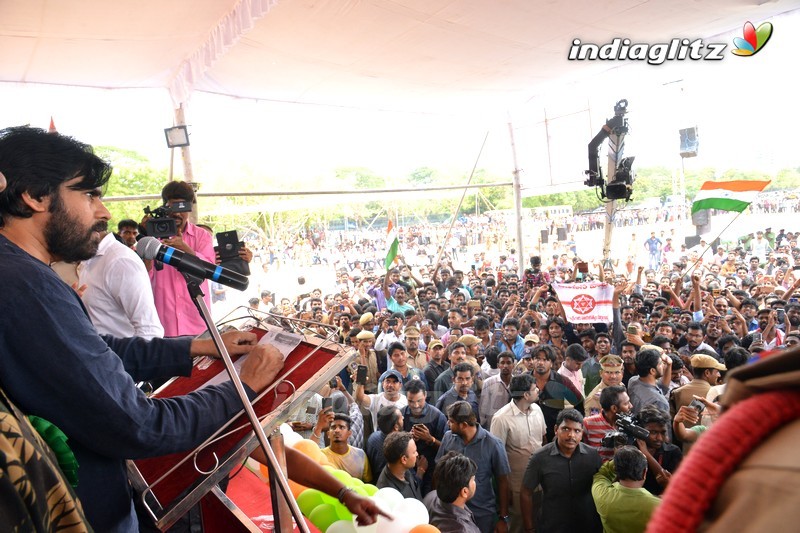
{"type": "Point", "coordinates": [151, 248]}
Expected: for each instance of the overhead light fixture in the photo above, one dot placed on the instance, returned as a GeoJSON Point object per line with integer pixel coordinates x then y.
{"type": "Point", "coordinates": [177, 136]}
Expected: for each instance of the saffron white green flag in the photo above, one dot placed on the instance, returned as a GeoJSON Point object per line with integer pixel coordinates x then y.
{"type": "Point", "coordinates": [727, 195]}
{"type": "Point", "coordinates": [392, 245]}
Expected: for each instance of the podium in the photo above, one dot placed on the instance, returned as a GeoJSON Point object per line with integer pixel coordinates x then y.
{"type": "Point", "coordinates": [170, 485]}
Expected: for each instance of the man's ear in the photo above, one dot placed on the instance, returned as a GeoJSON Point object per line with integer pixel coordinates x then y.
{"type": "Point", "coordinates": [38, 205]}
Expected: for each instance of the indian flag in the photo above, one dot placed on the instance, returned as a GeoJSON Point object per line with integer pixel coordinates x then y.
{"type": "Point", "coordinates": [392, 245]}
{"type": "Point", "coordinates": [727, 195]}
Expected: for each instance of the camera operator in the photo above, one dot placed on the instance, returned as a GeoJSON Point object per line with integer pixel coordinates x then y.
{"type": "Point", "coordinates": [614, 401]}
{"type": "Point", "coordinates": [173, 303]}
{"type": "Point", "coordinates": [663, 458]}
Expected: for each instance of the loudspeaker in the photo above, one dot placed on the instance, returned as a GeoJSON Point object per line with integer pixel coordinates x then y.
{"type": "Point", "coordinates": [690, 142]}
{"type": "Point", "coordinates": [562, 234]}
{"type": "Point", "coordinates": [545, 235]}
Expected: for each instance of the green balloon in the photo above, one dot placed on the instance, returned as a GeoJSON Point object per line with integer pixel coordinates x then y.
{"type": "Point", "coordinates": [330, 500]}
{"type": "Point", "coordinates": [308, 500]}
{"type": "Point", "coordinates": [342, 513]}
{"type": "Point", "coordinates": [371, 489]}
{"type": "Point", "coordinates": [361, 491]}
{"type": "Point", "coordinates": [342, 476]}
{"type": "Point", "coordinates": [355, 482]}
{"type": "Point", "coordinates": [323, 516]}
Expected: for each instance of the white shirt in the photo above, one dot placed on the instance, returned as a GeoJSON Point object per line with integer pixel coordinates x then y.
{"type": "Point", "coordinates": [118, 296]}
{"type": "Point", "coordinates": [522, 434]}
{"type": "Point", "coordinates": [376, 401]}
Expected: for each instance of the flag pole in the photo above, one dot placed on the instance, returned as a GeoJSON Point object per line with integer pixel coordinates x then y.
{"type": "Point", "coordinates": [712, 240]}
{"type": "Point", "coordinates": [437, 264]}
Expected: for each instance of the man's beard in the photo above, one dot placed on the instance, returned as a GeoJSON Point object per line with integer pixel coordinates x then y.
{"type": "Point", "coordinates": [65, 238]}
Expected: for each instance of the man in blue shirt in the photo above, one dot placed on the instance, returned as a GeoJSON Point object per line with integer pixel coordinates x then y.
{"type": "Point", "coordinates": [461, 391]}
{"type": "Point", "coordinates": [56, 366]}
{"type": "Point", "coordinates": [467, 437]}
{"type": "Point", "coordinates": [512, 341]}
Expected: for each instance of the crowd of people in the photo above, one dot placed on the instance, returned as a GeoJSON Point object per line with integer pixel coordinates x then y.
{"type": "Point", "coordinates": [482, 362]}
{"type": "Point", "coordinates": [471, 390]}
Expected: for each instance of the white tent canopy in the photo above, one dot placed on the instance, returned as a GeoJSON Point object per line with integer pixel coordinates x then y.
{"type": "Point", "coordinates": [429, 55]}
{"type": "Point", "coordinates": [472, 61]}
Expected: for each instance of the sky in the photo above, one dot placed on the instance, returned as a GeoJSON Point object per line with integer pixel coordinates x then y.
{"type": "Point", "coordinates": [744, 108]}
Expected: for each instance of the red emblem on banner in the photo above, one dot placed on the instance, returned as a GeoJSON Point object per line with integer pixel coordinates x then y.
{"type": "Point", "coordinates": [583, 304]}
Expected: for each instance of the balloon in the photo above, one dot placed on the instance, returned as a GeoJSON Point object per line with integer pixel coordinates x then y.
{"type": "Point", "coordinates": [389, 496]}
{"type": "Point", "coordinates": [342, 476]}
{"type": "Point", "coordinates": [412, 511]}
{"type": "Point", "coordinates": [310, 449]}
{"type": "Point", "coordinates": [296, 488]}
{"type": "Point", "coordinates": [323, 516]}
{"type": "Point", "coordinates": [343, 513]}
{"type": "Point", "coordinates": [361, 491]}
{"type": "Point", "coordinates": [330, 500]}
{"type": "Point", "coordinates": [367, 529]}
{"type": "Point", "coordinates": [290, 436]}
{"type": "Point", "coordinates": [370, 489]}
{"type": "Point", "coordinates": [355, 482]}
{"type": "Point", "coordinates": [392, 526]}
{"type": "Point", "coordinates": [342, 526]}
{"type": "Point", "coordinates": [308, 500]}
{"type": "Point", "coordinates": [425, 528]}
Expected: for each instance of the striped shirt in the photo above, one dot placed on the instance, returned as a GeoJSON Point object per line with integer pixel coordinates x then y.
{"type": "Point", "coordinates": [596, 428]}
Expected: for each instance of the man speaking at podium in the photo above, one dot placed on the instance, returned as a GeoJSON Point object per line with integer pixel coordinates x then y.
{"type": "Point", "coordinates": [54, 364]}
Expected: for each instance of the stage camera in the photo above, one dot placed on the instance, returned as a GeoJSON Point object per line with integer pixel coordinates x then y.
{"type": "Point", "coordinates": [161, 224]}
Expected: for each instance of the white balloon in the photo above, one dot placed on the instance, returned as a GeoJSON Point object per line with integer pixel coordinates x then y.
{"type": "Point", "coordinates": [367, 529]}
{"type": "Point", "coordinates": [290, 436]}
{"type": "Point", "coordinates": [384, 525]}
{"type": "Point", "coordinates": [342, 526]}
{"type": "Point", "coordinates": [412, 511]}
{"type": "Point", "coordinates": [390, 497]}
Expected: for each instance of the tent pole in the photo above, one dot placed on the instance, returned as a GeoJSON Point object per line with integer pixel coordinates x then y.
{"type": "Point", "coordinates": [180, 120]}
{"type": "Point", "coordinates": [517, 205]}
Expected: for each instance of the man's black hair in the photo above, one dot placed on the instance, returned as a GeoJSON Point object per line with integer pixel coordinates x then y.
{"type": "Point", "coordinates": [630, 464]}
{"type": "Point", "coordinates": [344, 418]}
{"type": "Point", "coordinates": [736, 356]}
{"type": "Point", "coordinates": [414, 386]}
{"type": "Point", "coordinates": [652, 415]}
{"type": "Point", "coordinates": [609, 396]}
{"type": "Point", "coordinates": [591, 333]}
{"type": "Point", "coordinates": [521, 384]}
{"type": "Point", "coordinates": [36, 162]}
{"type": "Point", "coordinates": [547, 349]}
{"type": "Point", "coordinates": [395, 346]}
{"type": "Point", "coordinates": [453, 472]}
{"type": "Point", "coordinates": [387, 418]}
{"type": "Point", "coordinates": [178, 190]}
{"type": "Point", "coordinates": [396, 445]}
{"type": "Point", "coordinates": [463, 367]}
{"type": "Point", "coordinates": [481, 324]}
{"type": "Point", "coordinates": [491, 355]}
{"type": "Point", "coordinates": [127, 223]}
{"type": "Point", "coordinates": [569, 414]}
{"type": "Point", "coordinates": [725, 339]}
{"type": "Point", "coordinates": [576, 352]}
{"type": "Point", "coordinates": [646, 360]}
{"type": "Point", "coordinates": [511, 322]}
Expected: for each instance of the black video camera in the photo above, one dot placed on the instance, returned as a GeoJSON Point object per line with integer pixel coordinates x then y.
{"type": "Point", "coordinates": [627, 432]}
{"type": "Point", "coordinates": [161, 224]}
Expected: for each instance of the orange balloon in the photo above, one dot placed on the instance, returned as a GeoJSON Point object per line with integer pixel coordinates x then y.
{"type": "Point", "coordinates": [310, 449]}
{"type": "Point", "coordinates": [296, 488]}
{"type": "Point", "coordinates": [425, 528]}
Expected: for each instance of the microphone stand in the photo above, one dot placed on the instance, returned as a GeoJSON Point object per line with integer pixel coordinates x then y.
{"type": "Point", "coordinates": [275, 473]}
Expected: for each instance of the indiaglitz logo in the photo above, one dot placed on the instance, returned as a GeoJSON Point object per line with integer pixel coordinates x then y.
{"type": "Point", "coordinates": [754, 39]}
{"type": "Point", "coordinates": [677, 49]}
